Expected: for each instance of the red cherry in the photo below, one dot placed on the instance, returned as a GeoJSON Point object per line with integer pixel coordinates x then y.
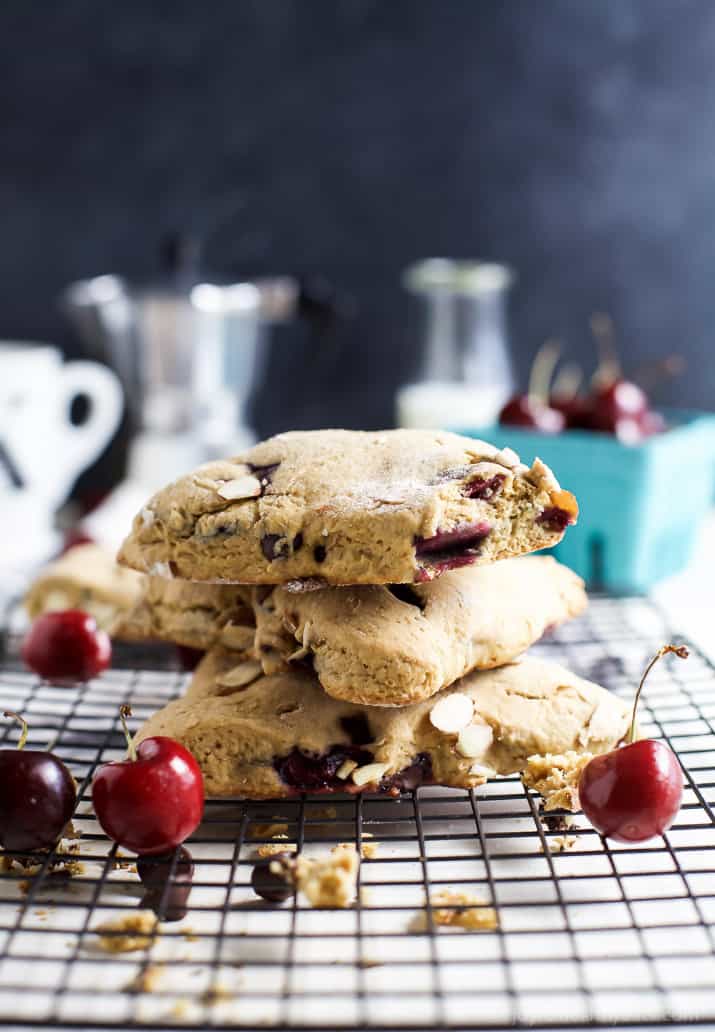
{"type": "Point", "coordinates": [37, 796]}
{"type": "Point", "coordinates": [523, 410]}
{"type": "Point", "coordinates": [634, 792]}
{"type": "Point", "coordinates": [152, 801]}
{"type": "Point", "coordinates": [576, 411]}
{"type": "Point", "coordinates": [66, 647]}
{"type": "Point", "coordinates": [619, 400]}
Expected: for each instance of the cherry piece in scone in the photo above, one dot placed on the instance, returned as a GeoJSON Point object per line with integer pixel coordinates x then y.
{"type": "Point", "coordinates": [634, 792]}
{"type": "Point", "coordinates": [167, 880]}
{"type": "Point", "coordinates": [37, 796]}
{"type": "Point", "coordinates": [154, 799]}
{"type": "Point", "coordinates": [66, 647]}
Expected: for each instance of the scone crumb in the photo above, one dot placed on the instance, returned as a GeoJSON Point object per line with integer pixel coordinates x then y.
{"type": "Point", "coordinates": [457, 910]}
{"type": "Point", "coordinates": [273, 848]}
{"type": "Point", "coordinates": [127, 934]}
{"type": "Point", "coordinates": [562, 843]}
{"type": "Point", "coordinates": [268, 831]}
{"type": "Point", "coordinates": [367, 962]}
{"type": "Point", "coordinates": [368, 850]}
{"type": "Point", "coordinates": [147, 980]}
{"type": "Point", "coordinates": [215, 993]}
{"type": "Point", "coordinates": [329, 881]}
{"type": "Point", "coordinates": [555, 777]}
{"type": "Point", "coordinates": [190, 935]}
{"type": "Point", "coordinates": [71, 832]}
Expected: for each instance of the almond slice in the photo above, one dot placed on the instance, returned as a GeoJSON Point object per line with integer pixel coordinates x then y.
{"type": "Point", "coordinates": [480, 770]}
{"type": "Point", "coordinates": [345, 769]}
{"type": "Point", "coordinates": [370, 772]}
{"type": "Point", "coordinates": [474, 740]}
{"type": "Point", "coordinates": [507, 457]}
{"type": "Point", "coordinates": [243, 487]}
{"type": "Point", "coordinates": [236, 636]}
{"type": "Point", "coordinates": [241, 675]}
{"type": "Point", "coordinates": [452, 713]}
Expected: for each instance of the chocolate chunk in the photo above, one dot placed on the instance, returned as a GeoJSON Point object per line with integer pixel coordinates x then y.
{"type": "Point", "coordinates": [271, 885]}
{"type": "Point", "coordinates": [264, 473]}
{"type": "Point", "coordinates": [297, 542]}
{"type": "Point", "coordinates": [274, 546]}
{"type": "Point", "coordinates": [319, 553]}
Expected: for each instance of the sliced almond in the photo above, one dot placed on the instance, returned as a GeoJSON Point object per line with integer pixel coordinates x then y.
{"type": "Point", "coordinates": [480, 770]}
{"type": "Point", "coordinates": [474, 740]}
{"type": "Point", "coordinates": [241, 675]}
{"type": "Point", "coordinates": [345, 769]}
{"type": "Point", "coordinates": [369, 773]}
{"type": "Point", "coordinates": [507, 457]}
{"type": "Point", "coordinates": [236, 636]}
{"type": "Point", "coordinates": [452, 713]}
{"type": "Point", "coordinates": [243, 487]}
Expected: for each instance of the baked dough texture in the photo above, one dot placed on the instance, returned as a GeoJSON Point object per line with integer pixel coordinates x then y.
{"type": "Point", "coordinates": [86, 577]}
{"type": "Point", "coordinates": [348, 507]}
{"type": "Point", "coordinates": [390, 646]}
{"type": "Point", "coordinates": [268, 737]}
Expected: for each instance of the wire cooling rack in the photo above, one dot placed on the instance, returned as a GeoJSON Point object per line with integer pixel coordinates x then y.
{"type": "Point", "coordinates": [594, 934]}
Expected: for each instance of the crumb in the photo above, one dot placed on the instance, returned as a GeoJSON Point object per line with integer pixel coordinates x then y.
{"type": "Point", "coordinates": [257, 831]}
{"type": "Point", "coordinates": [555, 777]}
{"type": "Point", "coordinates": [273, 848]}
{"type": "Point", "coordinates": [464, 911]}
{"type": "Point", "coordinates": [42, 914]}
{"type": "Point", "coordinates": [329, 881]}
{"type": "Point", "coordinates": [119, 863]}
{"type": "Point", "coordinates": [147, 980]}
{"type": "Point", "coordinates": [138, 932]}
{"type": "Point", "coordinates": [190, 935]}
{"type": "Point", "coordinates": [179, 1010]}
{"type": "Point", "coordinates": [366, 962]}
{"type": "Point", "coordinates": [365, 895]}
{"type": "Point", "coordinates": [328, 813]}
{"type": "Point", "coordinates": [369, 850]}
{"type": "Point", "coordinates": [562, 843]}
{"type": "Point", "coordinates": [215, 994]}
{"type": "Point", "coordinates": [557, 820]}
{"type": "Point", "coordinates": [71, 832]}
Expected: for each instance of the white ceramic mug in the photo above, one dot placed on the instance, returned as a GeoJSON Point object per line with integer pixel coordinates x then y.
{"type": "Point", "coordinates": [43, 452]}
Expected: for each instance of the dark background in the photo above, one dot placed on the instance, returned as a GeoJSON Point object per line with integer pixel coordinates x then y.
{"type": "Point", "coordinates": [573, 139]}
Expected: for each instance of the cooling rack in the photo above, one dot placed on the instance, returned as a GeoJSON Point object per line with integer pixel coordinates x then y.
{"type": "Point", "coordinates": [588, 932]}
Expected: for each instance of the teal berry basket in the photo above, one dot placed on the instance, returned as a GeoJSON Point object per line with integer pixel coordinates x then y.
{"type": "Point", "coordinates": [640, 506]}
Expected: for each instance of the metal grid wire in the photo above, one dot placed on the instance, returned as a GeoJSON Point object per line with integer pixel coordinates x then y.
{"type": "Point", "coordinates": [591, 935]}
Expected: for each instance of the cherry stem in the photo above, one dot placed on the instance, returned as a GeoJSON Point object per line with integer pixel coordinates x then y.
{"type": "Point", "coordinates": [23, 724]}
{"type": "Point", "coordinates": [567, 382]}
{"type": "Point", "coordinates": [542, 369]}
{"type": "Point", "coordinates": [677, 650]}
{"type": "Point", "coordinates": [609, 368]}
{"type": "Point", "coordinates": [124, 712]}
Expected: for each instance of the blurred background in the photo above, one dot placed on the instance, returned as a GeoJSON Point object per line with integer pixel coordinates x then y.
{"type": "Point", "coordinates": [337, 143]}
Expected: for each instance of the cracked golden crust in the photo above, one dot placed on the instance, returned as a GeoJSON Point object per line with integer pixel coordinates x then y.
{"type": "Point", "coordinates": [532, 707]}
{"type": "Point", "coordinates": [371, 647]}
{"type": "Point", "coordinates": [342, 506]}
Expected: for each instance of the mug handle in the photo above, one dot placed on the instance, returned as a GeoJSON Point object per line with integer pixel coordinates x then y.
{"type": "Point", "coordinates": [83, 444]}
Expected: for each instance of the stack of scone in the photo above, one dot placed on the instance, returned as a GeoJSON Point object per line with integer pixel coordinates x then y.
{"type": "Point", "coordinates": [364, 599]}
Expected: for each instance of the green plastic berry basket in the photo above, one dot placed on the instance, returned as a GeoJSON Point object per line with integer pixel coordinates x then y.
{"type": "Point", "coordinates": [640, 506]}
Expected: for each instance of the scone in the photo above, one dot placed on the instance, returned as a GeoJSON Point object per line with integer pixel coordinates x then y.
{"type": "Point", "coordinates": [86, 577]}
{"type": "Point", "coordinates": [278, 736]}
{"type": "Point", "coordinates": [346, 507]}
{"type": "Point", "coordinates": [397, 644]}
{"type": "Point", "coordinates": [189, 613]}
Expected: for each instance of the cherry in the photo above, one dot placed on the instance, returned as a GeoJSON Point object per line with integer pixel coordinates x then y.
{"type": "Point", "coordinates": [154, 799]}
{"type": "Point", "coordinates": [635, 791]}
{"type": "Point", "coordinates": [532, 409]}
{"type": "Point", "coordinates": [37, 796]}
{"type": "Point", "coordinates": [167, 880]}
{"type": "Point", "coordinates": [616, 401]}
{"type": "Point", "coordinates": [66, 647]}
